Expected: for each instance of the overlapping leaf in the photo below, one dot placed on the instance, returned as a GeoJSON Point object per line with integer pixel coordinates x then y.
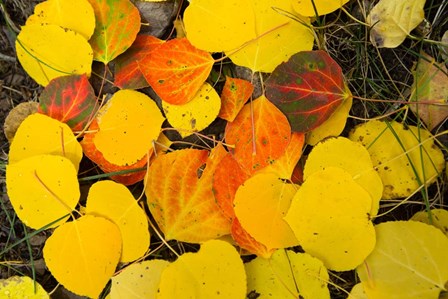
{"type": "Point", "coordinates": [50, 51]}
{"type": "Point", "coordinates": [22, 287]}
{"type": "Point", "coordinates": [216, 271]}
{"type": "Point", "coordinates": [436, 217]}
{"type": "Point", "coordinates": [117, 25]}
{"type": "Point", "coordinates": [415, 265]}
{"type": "Point", "coordinates": [286, 275]}
{"type": "Point", "coordinates": [235, 94]}
{"type": "Point", "coordinates": [247, 242]}
{"type": "Point", "coordinates": [307, 88]}
{"type": "Point", "coordinates": [83, 254]}
{"type": "Point", "coordinates": [116, 203]}
{"type": "Point", "coordinates": [180, 196]}
{"type": "Point", "coordinates": [313, 8]}
{"type": "Point", "coordinates": [260, 135]}
{"type": "Point", "coordinates": [42, 189]}
{"type": "Point", "coordinates": [69, 99]}
{"type": "Point", "coordinates": [176, 70]}
{"type": "Point", "coordinates": [127, 69]}
{"type": "Point", "coordinates": [195, 115]}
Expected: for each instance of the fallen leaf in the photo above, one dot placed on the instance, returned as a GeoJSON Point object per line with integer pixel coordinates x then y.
{"type": "Point", "coordinates": [69, 99]}
{"type": "Point", "coordinates": [16, 116]}
{"type": "Point", "coordinates": [22, 287]}
{"type": "Point", "coordinates": [439, 219]}
{"type": "Point", "coordinates": [267, 35]}
{"type": "Point", "coordinates": [74, 15]}
{"type": "Point", "coordinates": [116, 27]}
{"type": "Point", "coordinates": [227, 178]}
{"type": "Point", "coordinates": [330, 210]}
{"type": "Point", "coordinates": [312, 8]}
{"type": "Point", "coordinates": [357, 292]}
{"type": "Point", "coordinates": [353, 158]}
{"type": "Point", "coordinates": [50, 51]}
{"type": "Point", "coordinates": [176, 70]}
{"type": "Point", "coordinates": [430, 92]}
{"type": "Point", "coordinates": [260, 204]}
{"type": "Point", "coordinates": [284, 166]}
{"type": "Point", "coordinates": [195, 115]}
{"type": "Point", "coordinates": [261, 120]}
{"type": "Point", "coordinates": [40, 134]}
{"type": "Point", "coordinates": [392, 21]}
{"type": "Point", "coordinates": [288, 275]}
{"type": "Point", "coordinates": [216, 271]}
{"type": "Point", "coordinates": [127, 68]}
{"type": "Point", "coordinates": [128, 124]}
{"type": "Point", "coordinates": [180, 195]}
{"type": "Point", "coordinates": [307, 88]}
{"type": "Point", "coordinates": [115, 202]}
{"type": "Point", "coordinates": [82, 255]}
{"type": "Point", "coordinates": [247, 242]}
{"type": "Point", "coordinates": [334, 125]}
{"type": "Point", "coordinates": [235, 94]}
{"type": "Point", "coordinates": [42, 189]}
{"type": "Point", "coordinates": [91, 152]}
{"type": "Point", "coordinates": [405, 157]}
{"type": "Point", "coordinates": [138, 281]}
{"type": "Point", "coordinates": [415, 265]}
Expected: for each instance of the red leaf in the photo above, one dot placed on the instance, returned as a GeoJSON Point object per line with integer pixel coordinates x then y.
{"type": "Point", "coordinates": [246, 241]}
{"type": "Point", "coordinates": [127, 70]}
{"type": "Point", "coordinates": [270, 128]}
{"type": "Point", "coordinates": [96, 156]}
{"type": "Point", "coordinates": [117, 25]}
{"type": "Point", "coordinates": [234, 95]}
{"type": "Point", "coordinates": [307, 89]}
{"type": "Point", "coordinates": [176, 70]}
{"type": "Point", "coordinates": [69, 99]}
{"type": "Point", "coordinates": [226, 180]}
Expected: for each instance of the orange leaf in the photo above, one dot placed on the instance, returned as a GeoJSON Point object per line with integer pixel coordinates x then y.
{"type": "Point", "coordinates": [176, 70]}
{"type": "Point", "coordinates": [180, 195]}
{"type": "Point", "coordinates": [234, 95]}
{"type": "Point", "coordinates": [271, 130]}
{"type": "Point", "coordinates": [246, 241]}
{"type": "Point", "coordinates": [90, 150]}
{"type": "Point", "coordinates": [127, 69]}
{"type": "Point", "coordinates": [226, 180]}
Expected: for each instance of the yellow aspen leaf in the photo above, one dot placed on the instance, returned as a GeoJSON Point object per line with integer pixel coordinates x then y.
{"type": "Point", "coordinates": [284, 166]}
{"type": "Point", "coordinates": [195, 115]}
{"type": "Point", "coordinates": [115, 202]}
{"type": "Point", "coordinates": [263, 121]}
{"type": "Point", "coordinates": [288, 275]}
{"type": "Point", "coordinates": [334, 125]}
{"type": "Point", "coordinates": [357, 292]}
{"type": "Point", "coordinates": [74, 15]}
{"type": "Point", "coordinates": [179, 193]}
{"type": "Point", "coordinates": [40, 134]}
{"type": "Point", "coordinates": [430, 91]}
{"type": "Point", "coordinates": [216, 271]}
{"type": "Point", "coordinates": [42, 189]}
{"type": "Point", "coordinates": [405, 157]}
{"type": "Point", "coordinates": [128, 124]}
{"type": "Point", "coordinates": [392, 21]}
{"type": "Point", "coordinates": [260, 204]}
{"type": "Point", "coordinates": [247, 242]}
{"type": "Point", "coordinates": [330, 210]}
{"type": "Point", "coordinates": [21, 287]}
{"type": "Point", "coordinates": [138, 281]}
{"type": "Point", "coordinates": [82, 255]}
{"type": "Point", "coordinates": [439, 219]}
{"type": "Point", "coordinates": [414, 265]}
{"type": "Point", "coordinates": [50, 51]}
{"type": "Point", "coordinates": [311, 8]}
{"type": "Point", "coordinates": [271, 37]}
{"type": "Point", "coordinates": [353, 158]}
{"type": "Point", "coordinates": [235, 94]}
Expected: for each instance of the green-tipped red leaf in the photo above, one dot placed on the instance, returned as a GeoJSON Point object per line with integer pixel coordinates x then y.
{"type": "Point", "coordinates": [127, 70]}
{"type": "Point", "coordinates": [117, 25]}
{"type": "Point", "coordinates": [69, 99]}
{"type": "Point", "coordinates": [307, 89]}
{"type": "Point", "coordinates": [176, 70]}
